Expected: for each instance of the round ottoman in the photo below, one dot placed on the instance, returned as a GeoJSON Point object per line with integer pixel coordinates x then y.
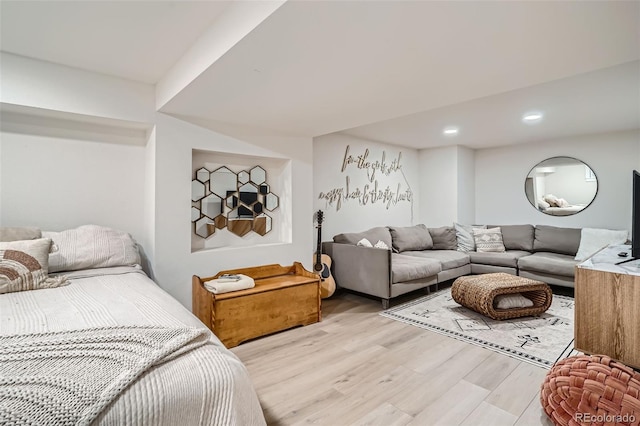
{"type": "Point", "coordinates": [586, 390]}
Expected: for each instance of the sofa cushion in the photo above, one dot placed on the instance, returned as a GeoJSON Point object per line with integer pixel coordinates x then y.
{"type": "Point", "coordinates": [550, 263]}
{"type": "Point", "coordinates": [407, 268]}
{"type": "Point", "coordinates": [556, 240]}
{"type": "Point", "coordinates": [374, 235]}
{"type": "Point", "coordinates": [449, 259]}
{"type": "Point", "coordinates": [507, 258]}
{"type": "Point", "coordinates": [444, 238]}
{"type": "Point", "coordinates": [516, 237]}
{"type": "Point", "coordinates": [464, 236]}
{"type": "Point", "coordinates": [411, 238]}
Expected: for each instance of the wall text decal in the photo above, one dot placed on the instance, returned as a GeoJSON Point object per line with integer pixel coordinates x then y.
{"type": "Point", "coordinates": [371, 192]}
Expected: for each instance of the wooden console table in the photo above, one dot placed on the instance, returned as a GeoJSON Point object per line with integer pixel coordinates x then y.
{"type": "Point", "coordinates": [284, 297]}
{"type": "Point", "coordinates": [607, 315]}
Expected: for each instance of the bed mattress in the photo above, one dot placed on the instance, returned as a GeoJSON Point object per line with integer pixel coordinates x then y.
{"type": "Point", "coordinates": [205, 386]}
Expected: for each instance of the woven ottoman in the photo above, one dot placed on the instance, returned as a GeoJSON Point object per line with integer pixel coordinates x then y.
{"type": "Point", "coordinates": [477, 292]}
{"type": "Point", "coordinates": [586, 390]}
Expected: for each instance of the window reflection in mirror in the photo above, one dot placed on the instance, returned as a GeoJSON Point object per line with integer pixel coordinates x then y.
{"type": "Point", "coordinates": [561, 186]}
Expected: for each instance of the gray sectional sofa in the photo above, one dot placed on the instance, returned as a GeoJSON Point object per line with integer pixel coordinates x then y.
{"type": "Point", "coordinates": [420, 257]}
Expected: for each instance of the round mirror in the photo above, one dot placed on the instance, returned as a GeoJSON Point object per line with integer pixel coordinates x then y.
{"type": "Point", "coordinates": [561, 186]}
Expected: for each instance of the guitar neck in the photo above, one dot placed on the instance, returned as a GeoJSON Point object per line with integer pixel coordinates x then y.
{"type": "Point", "coordinates": [319, 246]}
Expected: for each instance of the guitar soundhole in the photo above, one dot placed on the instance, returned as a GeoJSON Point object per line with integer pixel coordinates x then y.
{"type": "Point", "coordinates": [325, 272]}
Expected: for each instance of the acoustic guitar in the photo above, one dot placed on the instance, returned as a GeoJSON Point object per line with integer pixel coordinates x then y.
{"type": "Point", "coordinates": [322, 264]}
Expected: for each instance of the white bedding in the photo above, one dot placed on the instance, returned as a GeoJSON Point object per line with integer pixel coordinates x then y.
{"type": "Point", "coordinates": [206, 386]}
{"type": "Point", "coordinates": [563, 211]}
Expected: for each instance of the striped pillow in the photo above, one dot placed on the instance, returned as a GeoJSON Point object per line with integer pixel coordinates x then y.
{"type": "Point", "coordinates": [23, 266]}
{"type": "Point", "coordinates": [91, 246]}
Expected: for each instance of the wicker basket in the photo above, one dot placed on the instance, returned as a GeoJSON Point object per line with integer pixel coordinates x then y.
{"type": "Point", "coordinates": [478, 292]}
{"type": "Point", "coordinates": [585, 390]}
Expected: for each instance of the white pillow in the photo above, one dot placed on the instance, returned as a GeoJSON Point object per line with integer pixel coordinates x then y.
{"type": "Point", "coordinates": [552, 200]}
{"type": "Point", "coordinates": [381, 245]}
{"type": "Point", "coordinates": [511, 301]}
{"type": "Point", "coordinates": [563, 203]}
{"type": "Point", "coordinates": [488, 240]}
{"type": "Point", "coordinates": [464, 235]}
{"type": "Point", "coordinates": [91, 246]}
{"type": "Point", "coordinates": [364, 243]}
{"type": "Point", "coordinates": [593, 239]}
{"type": "Point", "coordinates": [542, 203]}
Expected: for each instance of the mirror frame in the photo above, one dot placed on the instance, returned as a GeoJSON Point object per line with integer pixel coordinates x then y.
{"type": "Point", "coordinates": [528, 176]}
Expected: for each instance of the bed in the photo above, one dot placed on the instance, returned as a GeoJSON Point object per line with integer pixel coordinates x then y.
{"type": "Point", "coordinates": [564, 211]}
{"type": "Point", "coordinates": [176, 371]}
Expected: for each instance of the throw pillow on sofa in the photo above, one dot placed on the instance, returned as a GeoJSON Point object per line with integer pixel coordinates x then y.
{"type": "Point", "coordinates": [412, 238]}
{"type": "Point", "coordinates": [592, 240]}
{"type": "Point", "coordinates": [464, 236]}
{"type": "Point", "coordinates": [444, 238]}
{"type": "Point", "coordinates": [488, 240]}
{"type": "Point", "coordinates": [380, 233]}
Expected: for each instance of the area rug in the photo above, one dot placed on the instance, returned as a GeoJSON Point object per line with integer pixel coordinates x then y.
{"type": "Point", "coordinates": [541, 340]}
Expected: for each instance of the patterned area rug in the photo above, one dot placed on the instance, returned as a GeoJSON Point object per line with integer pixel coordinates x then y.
{"type": "Point", "coordinates": [541, 340]}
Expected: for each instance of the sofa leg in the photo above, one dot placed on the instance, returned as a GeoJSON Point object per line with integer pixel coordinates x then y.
{"type": "Point", "coordinates": [385, 303]}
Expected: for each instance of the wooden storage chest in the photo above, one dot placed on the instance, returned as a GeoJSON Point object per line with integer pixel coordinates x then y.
{"type": "Point", "coordinates": [284, 297]}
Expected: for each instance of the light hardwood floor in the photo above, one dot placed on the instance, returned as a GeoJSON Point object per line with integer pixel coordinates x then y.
{"type": "Point", "coordinates": [359, 368]}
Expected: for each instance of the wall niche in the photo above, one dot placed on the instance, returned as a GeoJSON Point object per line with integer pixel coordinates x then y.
{"type": "Point", "coordinates": [239, 200]}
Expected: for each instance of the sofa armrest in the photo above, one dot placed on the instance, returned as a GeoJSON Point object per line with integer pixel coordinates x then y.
{"type": "Point", "coordinates": [363, 269]}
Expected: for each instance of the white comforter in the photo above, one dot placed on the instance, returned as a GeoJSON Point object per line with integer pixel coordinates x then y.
{"type": "Point", "coordinates": [206, 386]}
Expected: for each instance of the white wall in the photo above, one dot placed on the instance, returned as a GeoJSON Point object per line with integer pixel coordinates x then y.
{"type": "Point", "coordinates": [466, 185]}
{"type": "Point", "coordinates": [148, 246]}
{"type": "Point", "coordinates": [44, 85]}
{"type": "Point", "coordinates": [569, 182]}
{"type": "Point", "coordinates": [447, 185]}
{"type": "Point", "coordinates": [56, 184]}
{"type": "Point", "coordinates": [174, 262]}
{"type": "Point", "coordinates": [353, 209]}
{"type": "Point", "coordinates": [501, 172]}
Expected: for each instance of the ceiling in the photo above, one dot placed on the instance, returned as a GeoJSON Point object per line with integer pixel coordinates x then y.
{"type": "Point", "coordinates": [392, 71]}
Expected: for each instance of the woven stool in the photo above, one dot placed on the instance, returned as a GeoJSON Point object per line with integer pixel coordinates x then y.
{"type": "Point", "coordinates": [478, 292]}
{"type": "Point", "coordinates": [585, 390]}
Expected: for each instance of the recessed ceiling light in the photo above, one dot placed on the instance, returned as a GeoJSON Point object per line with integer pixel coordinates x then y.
{"type": "Point", "coordinates": [450, 131]}
{"type": "Point", "coordinates": [532, 117]}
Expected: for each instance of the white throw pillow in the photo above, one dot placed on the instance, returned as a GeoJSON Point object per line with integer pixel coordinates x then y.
{"type": "Point", "coordinates": [488, 240]}
{"type": "Point", "coordinates": [464, 235]}
{"type": "Point", "coordinates": [593, 239]}
{"type": "Point", "coordinates": [364, 243]}
{"type": "Point", "coordinates": [542, 203]}
{"type": "Point", "coordinates": [551, 199]}
{"type": "Point", "coordinates": [511, 301]}
{"type": "Point", "coordinates": [381, 245]}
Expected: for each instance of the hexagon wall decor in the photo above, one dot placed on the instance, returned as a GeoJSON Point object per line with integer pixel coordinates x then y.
{"type": "Point", "coordinates": [222, 198]}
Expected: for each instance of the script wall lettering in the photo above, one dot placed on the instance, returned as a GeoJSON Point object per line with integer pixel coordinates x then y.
{"type": "Point", "coordinates": [385, 184]}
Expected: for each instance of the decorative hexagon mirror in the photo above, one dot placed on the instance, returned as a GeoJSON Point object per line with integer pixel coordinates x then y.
{"type": "Point", "coordinates": [243, 176]}
{"type": "Point", "coordinates": [197, 190]}
{"type": "Point", "coordinates": [271, 201]}
{"type": "Point", "coordinates": [262, 224]}
{"type": "Point", "coordinates": [203, 175]}
{"type": "Point", "coordinates": [223, 199]}
{"type": "Point", "coordinates": [223, 180]}
{"type": "Point", "coordinates": [204, 227]}
{"type": "Point", "coordinates": [211, 206]}
{"type": "Point", "coordinates": [258, 175]}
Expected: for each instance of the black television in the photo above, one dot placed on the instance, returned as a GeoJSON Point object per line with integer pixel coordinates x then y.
{"type": "Point", "coordinates": [635, 217]}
